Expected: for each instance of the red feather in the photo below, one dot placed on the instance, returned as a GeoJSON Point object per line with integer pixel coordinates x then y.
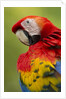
{"type": "Point", "coordinates": [48, 48]}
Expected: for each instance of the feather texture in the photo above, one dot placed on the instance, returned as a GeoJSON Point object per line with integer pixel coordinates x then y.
{"type": "Point", "coordinates": [23, 86]}
{"type": "Point", "coordinates": [42, 72]}
{"type": "Point", "coordinates": [42, 77]}
{"type": "Point", "coordinates": [40, 66]}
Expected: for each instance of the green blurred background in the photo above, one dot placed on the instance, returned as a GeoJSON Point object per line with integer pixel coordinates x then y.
{"type": "Point", "coordinates": [13, 47]}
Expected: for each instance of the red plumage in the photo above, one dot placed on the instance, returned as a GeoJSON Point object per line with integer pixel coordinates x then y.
{"type": "Point", "coordinates": [48, 48]}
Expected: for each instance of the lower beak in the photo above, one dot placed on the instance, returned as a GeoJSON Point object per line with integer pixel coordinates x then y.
{"type": "Point", "coordinates": [34, 39]}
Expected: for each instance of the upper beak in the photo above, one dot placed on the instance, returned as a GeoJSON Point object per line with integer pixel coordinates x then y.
{"type": "Point", "coordinates": [23, 35]}
{"type": "Point", "coordinates": [20, 32]}
{"type": "Point", "coordinates": [17, 26]}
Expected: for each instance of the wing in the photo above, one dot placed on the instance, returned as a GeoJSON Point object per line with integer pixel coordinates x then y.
{"type": "Point", "coordinates": [53, 42]}
{"type": "Point", "coordinates": [58, 67]}
{"type": "Point", "coordinates": [43, 77]}
{"type": "Point", "coordinates": [23, 86]}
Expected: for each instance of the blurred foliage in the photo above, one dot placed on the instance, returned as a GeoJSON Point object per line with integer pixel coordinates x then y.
{"type": "Point", "coordinates": [13, 47]}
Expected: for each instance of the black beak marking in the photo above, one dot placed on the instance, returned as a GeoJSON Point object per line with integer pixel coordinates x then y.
{"type": "Point", "coordinates": [32, 39]}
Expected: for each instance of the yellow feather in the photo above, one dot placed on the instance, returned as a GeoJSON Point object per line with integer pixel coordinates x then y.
{"type": "Point", "coordinates": [36, 79]}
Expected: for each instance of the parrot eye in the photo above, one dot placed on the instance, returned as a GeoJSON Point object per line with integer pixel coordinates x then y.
{"type": "Point", "coordinates": [27, 21]}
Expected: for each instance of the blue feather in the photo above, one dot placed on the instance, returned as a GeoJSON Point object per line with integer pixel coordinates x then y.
{"type": "Point", "coordinates": [23, 87]}
{"type": "Point", "coordinates": [58, 66]}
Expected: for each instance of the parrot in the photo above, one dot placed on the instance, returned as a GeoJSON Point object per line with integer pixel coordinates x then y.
{"type": "Point", "coordinates": [40, 67]}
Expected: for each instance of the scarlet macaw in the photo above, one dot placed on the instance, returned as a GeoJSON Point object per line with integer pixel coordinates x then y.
{"type": "Point", "coordinates": [40, 66]}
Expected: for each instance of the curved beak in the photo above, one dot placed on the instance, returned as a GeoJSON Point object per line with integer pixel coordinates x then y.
{"type": "Point", "coordinates": [23, 35]}
{"type": "Point", "coordinates": [17, 26]}
{"type": "Point", "coordinates": [25, 38]}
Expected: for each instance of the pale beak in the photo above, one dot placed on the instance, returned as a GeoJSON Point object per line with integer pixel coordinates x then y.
{"type": "Point", "coordinates": [25, 38]}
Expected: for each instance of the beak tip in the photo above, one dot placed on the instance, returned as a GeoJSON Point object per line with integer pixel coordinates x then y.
{"type": "Point", "coordinates": [17, 26]}
{"type": "Point", "coordinates": [13, 29]}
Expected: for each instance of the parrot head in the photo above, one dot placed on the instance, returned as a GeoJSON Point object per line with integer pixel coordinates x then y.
{"type": "Point", "coordinates": [32, 29]}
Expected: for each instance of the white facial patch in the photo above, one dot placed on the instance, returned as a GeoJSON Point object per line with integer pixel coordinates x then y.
{"type": "Point", "coordinates": [22, 37]}
{"type": "Point", "coordinates": [31, 27]}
